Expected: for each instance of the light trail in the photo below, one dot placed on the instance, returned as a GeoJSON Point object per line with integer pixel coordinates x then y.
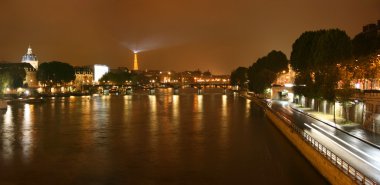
{"type": "Point", "coordinates": [344, 148]}
{"type": "Point", "coordinates": [353, 147]}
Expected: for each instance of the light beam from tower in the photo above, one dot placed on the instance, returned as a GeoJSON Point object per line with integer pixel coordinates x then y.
{"type": "Point", "coordinates": [135, 63]}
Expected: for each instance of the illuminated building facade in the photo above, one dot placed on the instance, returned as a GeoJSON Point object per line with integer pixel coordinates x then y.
{"type": "Point", "coordinates": [84, 75]}
{"type": "Point", "coordinates": [99, 71]}
{"type": "Point", "coordinates": [286, 78]}
{"type": "Point", "coordinates": [31, 74]}
{"type": "Point", "coordinates": [282, 88]}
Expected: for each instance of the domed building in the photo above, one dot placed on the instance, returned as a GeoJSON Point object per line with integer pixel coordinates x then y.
{"type": "Point", "coordinates": [30, 58]}
{"type": "Point", "coordinates": [31, 74]}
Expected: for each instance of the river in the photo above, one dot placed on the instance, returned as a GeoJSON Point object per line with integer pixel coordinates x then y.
{"type": "Point", "coordinates": [147, 139]}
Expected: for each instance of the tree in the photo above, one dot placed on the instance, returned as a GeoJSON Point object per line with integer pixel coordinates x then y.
{"type": "Point", "coordinates": [138, 79]}
{"type": "Point", "coordinates": [276, 61]}
{"type": "Point", "coordinates": [332, 47]}
{"type": "Point", "coordinates": [12, 77]}
{"type": "Point", "coordinates": [302, 55]}
{"type": "Point", "coordinates": [345, 93]}
{"type": "Point", "coordinates": [260, 79]}
{"type": "Point", "coordinates": [239, 77]}
{"type": "Point", "coordinates": [365, 44]}
{"type": "Point", "coordinates": [315, 57]}
{"type": "Point", "coordinates": [117, 78]}
{"type": "Point", "coordinates": [207, 73]}
{"type": "Point", "coordinates": [262, 74]}
{"type": "Point", "coordinates": [55, 72]}
{"type": "Point", "coordinates": [316, 53]}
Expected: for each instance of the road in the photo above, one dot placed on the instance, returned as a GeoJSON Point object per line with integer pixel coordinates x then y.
{"type": "Point", "coordinates": [359, 154]}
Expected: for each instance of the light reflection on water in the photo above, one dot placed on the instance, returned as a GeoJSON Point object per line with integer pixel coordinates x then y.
{"type": "Point", "coordinates": [153, 134]}
{"type": "Point", "coordinates": [175, 111]}
{"type": "Point", "coordinates": [247, 108]}
{"type": "Point", "coordinates": [198, 116]}
{"type": "Point", "coordinates": [85, 120]}
{"type": "Point", "coordinates": [27, 129]}
{"type": "Point", "coordinates": [8, 136]}
{"type": "Point", "coordinates": [224, 123]}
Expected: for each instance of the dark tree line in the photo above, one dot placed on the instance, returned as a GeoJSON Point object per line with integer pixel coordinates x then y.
{"type": "Point", "coordinates": [120, 77]}
{"type": "Point", "coordinates": [11, 77]}
{"type": "Point", "coordinates": [117, 78]}
{"type": "Point", "coordinates": [316, 57]}
{"type": "Point", "coordinates": [366, 44]}
{"type": "Point", "coordinates": [51, 73]}
{"type": "Point", "coordinates": [262, 73]}
{"type": "Point", "coordinates": [239, 77]}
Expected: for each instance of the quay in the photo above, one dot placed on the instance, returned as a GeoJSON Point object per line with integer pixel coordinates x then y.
{"type": "Point", "coordinates": [327, 159]}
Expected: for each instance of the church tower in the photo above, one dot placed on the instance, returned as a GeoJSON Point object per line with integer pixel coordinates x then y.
{"type": "Point", "coordinates": [135, 63]}
{"type": "Point", "coordinates": [30, 58]}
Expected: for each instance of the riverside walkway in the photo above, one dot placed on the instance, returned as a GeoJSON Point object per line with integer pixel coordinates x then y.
{"type": "Point", "coordinates": [360, 153]}
{"type": "Point", "coordinates": [353, 129]}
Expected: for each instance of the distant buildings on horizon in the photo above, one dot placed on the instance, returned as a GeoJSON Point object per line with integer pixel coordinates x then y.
{"type": "Point", "coordinates": [90, 74]}
{"type": "Point", "coordinates": [374, 28]}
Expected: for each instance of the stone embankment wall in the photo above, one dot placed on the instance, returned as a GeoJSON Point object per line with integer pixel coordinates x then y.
{"type": "Point", "coordinates": [322, 164]}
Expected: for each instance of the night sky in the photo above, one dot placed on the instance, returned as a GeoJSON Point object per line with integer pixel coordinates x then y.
{"type": "Point", "coordinates": [218, 35]}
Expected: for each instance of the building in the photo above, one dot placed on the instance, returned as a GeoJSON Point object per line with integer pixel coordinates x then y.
{"type": "Point", "coordinates": [30, 58]}
{"type": "Point", "coordinates": [282, 88]}
{"type": "Point", "coordinates": [372, 28]}
{"type": "Point", "coordinates": [84, 75]}
{"type": "Point", "coordinates": [31, 74]}
{"type": "Point", "coordinates": [99, 71]}
{"type": "Point", "coordinates": [286, 78]}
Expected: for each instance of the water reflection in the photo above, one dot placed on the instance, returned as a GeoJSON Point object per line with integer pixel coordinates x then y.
{"type": "Point", "coordinates": [224, 106]}
{"type": "Point", "coordinates": [85, 120]}
{"type": "Point", "coordinates": [247, 108]}
{"type": "Point", "coordinates": [27, 130]}
{"type": "Point", "coordinates": [175, 111]}
{"type": "Point", "coordinates": [224, 123]}
{"type": "Point", "coordinates": [198, 136]}
{"type": "Point", "coordinates": [198, 116]}
{"type": "Point", "coordinates": [142, 139]}
{"type": "Point", "coordinates": [153, 111]}
{"type": "Point", "coordinates": [128, 105]}
{"type": "Point", "coordinates": [200, 103]}
{"type": "Point", "coordinates": [153, 123]}
{"type": "Point", "coordinates": [100, 120]}
{"type": "Point", "coordinates": [8, 135]}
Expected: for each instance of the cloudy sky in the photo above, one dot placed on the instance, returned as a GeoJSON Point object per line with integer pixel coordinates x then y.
{"type": "Point", "coordinates": [215, 35]}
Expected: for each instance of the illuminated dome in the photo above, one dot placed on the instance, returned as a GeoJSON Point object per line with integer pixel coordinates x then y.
{"type": "Point", "coordinates": [30, 58]}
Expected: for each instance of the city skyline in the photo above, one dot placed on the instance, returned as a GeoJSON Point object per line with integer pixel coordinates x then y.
{"type": "Point", "coordinates": [168, 35]}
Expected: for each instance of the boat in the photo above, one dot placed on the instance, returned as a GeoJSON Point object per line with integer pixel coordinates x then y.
{"type": "Point", "coordinates": [34, 100]}
{"type": "Point", "coordinates": [27, 101]}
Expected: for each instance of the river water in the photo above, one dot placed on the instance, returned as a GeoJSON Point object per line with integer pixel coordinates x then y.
{"type": "Point", "coordinates": [147, 139]}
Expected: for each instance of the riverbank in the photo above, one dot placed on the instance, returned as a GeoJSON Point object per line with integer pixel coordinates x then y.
{"type": "Point", "coordinates": [326, 162]}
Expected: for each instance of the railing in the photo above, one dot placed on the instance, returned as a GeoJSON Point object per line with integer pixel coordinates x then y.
{"type": "Point", "coordinates": [337, 161]}
{"type": "Point", "coordinates": [344, 166]}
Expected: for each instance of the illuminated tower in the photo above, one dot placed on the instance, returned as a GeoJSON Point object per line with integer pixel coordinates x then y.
{"type": "Point", "coordinates": [30, 58]}
{"type": "Point", "coordinates": [31, 72]}
{"type": "Point", "coordinates": [135, 63]}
